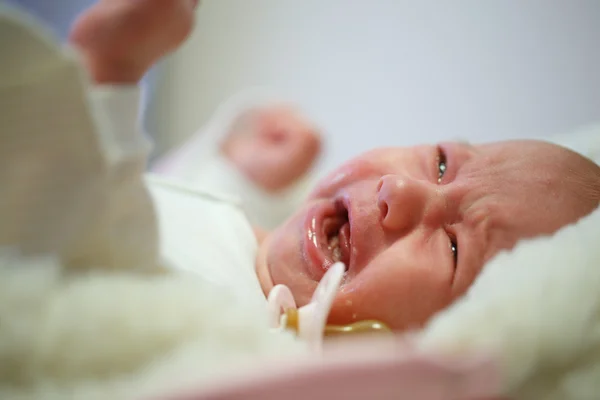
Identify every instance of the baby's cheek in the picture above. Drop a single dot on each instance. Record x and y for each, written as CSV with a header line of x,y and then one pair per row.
x,y
402,297
368,295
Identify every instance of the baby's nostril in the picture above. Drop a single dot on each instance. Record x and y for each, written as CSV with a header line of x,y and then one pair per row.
x,y
383,207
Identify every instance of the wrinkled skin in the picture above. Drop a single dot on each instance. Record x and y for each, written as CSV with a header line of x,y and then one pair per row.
x,y
403,223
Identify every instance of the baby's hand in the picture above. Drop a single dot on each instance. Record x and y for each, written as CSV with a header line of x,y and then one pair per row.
x,y
273,146
121,39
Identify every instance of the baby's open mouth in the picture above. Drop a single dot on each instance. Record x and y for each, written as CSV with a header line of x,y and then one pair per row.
x,y
337,232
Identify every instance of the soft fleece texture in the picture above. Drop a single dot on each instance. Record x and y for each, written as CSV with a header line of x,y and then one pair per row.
x,y
128,336
120,335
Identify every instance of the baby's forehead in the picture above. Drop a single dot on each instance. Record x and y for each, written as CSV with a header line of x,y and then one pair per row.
x,y
521,146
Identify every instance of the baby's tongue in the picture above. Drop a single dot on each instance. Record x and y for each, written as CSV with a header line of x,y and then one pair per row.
x,y
344,237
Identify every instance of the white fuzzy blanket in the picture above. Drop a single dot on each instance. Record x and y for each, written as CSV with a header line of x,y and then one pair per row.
x,y
119,335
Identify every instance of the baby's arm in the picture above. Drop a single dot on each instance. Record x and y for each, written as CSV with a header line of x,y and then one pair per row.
x,y
118,41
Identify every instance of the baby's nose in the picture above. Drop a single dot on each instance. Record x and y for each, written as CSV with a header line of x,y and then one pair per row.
x,y
401,201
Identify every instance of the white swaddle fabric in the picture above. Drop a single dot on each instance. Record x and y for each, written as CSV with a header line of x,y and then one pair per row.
x,y
265,210
208,235
200,162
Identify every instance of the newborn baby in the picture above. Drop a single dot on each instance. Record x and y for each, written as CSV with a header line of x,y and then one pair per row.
x,y
414,226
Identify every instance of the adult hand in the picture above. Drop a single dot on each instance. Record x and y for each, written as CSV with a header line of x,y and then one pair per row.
x,y
121,39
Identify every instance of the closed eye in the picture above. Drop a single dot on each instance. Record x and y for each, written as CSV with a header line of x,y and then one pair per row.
x,y
442,166
454,249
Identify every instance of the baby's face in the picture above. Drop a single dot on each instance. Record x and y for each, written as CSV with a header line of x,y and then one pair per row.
x,y
415,225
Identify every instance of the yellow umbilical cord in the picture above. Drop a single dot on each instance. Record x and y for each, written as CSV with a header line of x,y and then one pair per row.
x,y
360,327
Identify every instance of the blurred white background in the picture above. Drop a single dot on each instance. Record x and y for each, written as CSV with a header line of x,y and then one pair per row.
x,y
384,72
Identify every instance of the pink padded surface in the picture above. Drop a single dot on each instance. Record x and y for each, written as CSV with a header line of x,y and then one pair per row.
x,y
360,372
